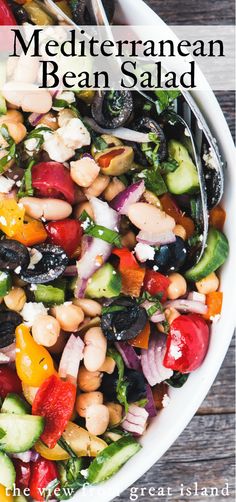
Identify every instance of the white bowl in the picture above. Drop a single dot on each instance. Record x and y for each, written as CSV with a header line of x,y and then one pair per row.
x,y
171,421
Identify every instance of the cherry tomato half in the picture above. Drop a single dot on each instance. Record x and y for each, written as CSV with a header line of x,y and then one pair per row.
x,y
65,233
187,343
9,381
23,471
155,283
52,179
42,473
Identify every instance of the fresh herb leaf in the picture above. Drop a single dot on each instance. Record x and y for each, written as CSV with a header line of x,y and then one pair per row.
x,y
63,444
26,188
153,180
37,133
166,326
178,379
10,148
113,308
151,149
142,403
2,433
48,491
100,143
69,470
68,491
100,232
169,166
195,239
122,384
165,99
61,103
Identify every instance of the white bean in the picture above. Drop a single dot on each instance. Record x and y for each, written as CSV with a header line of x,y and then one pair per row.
x,y
97,419
208,285
27,96
50,209
95,349
26,69
84,171
86,399
150,218
89,307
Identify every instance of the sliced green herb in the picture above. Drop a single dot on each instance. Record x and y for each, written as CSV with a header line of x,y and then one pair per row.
x,y
122,384
10,148
48,491
113,308
142,403
166,326
26,188
151,149
153,180
165,99
63,444
169,166
37,133
2,433
100,232
100,143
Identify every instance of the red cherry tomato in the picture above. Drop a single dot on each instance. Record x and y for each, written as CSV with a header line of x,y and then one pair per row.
x,y
54,401
6,15
9,381
155,283
43,472
52,179
187,343
65,233
23,471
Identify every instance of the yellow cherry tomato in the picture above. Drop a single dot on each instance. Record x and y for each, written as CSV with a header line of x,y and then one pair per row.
x,y
81,441
33,362
5,496
12,216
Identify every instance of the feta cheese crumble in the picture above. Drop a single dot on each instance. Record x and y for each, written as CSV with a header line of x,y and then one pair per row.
x,y
6,184
35,257
31,310
144,252
165,401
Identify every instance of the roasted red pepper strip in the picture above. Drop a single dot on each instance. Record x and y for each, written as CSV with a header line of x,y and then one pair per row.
x,y
65,233
7,17
132,274
43,472
155,283
54,401
127,259
171,208
9,381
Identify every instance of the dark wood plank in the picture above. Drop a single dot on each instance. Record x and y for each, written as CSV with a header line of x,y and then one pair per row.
x,y
194,12
203,461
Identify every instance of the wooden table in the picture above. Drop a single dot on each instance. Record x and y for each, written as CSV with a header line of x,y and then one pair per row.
x,y
204,452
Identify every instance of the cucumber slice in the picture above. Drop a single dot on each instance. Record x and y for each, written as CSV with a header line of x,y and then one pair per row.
x,y
21,432
106,282
215,254
15,404
51,294
111,459
5,283
185,178
19,498
7,471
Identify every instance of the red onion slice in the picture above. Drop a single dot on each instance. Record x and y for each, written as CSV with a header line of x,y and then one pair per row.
x,y
98,250
150,406
34,118
120,132
152,360
196,297
70,359
129,356
128,196
187,306
135,420
158,316
154,239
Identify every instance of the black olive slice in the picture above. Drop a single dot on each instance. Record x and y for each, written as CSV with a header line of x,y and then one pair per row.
x,y
147,124
9,320
13,254
126,323
135,385
169,257
112,109
52,264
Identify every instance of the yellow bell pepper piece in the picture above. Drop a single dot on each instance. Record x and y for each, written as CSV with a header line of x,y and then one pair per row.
x,y
11,216
5,496
81,441
33,362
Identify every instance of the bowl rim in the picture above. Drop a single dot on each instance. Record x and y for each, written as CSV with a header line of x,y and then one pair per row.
x,y
202,379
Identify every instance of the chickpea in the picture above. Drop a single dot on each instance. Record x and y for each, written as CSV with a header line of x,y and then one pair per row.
x,y
115,186
89,381
208,284
151,198
89,307
95,348
84,171
49,120
17,131
98,186
85,400
11,116
97,419
129,240
84,206
171,314
180,231
69,316
177,287
46,330
108,366
115,413
15,299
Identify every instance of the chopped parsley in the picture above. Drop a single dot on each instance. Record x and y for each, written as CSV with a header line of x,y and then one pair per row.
x,y
122,383
26,188
10,148
165,99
